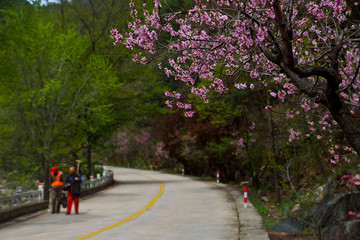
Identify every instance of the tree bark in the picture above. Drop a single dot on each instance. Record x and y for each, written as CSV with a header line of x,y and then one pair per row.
x,y
275,174
348,123
88,153
44,173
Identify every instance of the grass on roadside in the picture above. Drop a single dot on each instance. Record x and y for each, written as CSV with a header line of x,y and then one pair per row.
x,y
167,170
208,178
265,213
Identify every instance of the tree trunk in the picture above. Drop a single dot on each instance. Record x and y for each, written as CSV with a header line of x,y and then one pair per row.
x,y
44,173
88,153
275,174
46,184
349,124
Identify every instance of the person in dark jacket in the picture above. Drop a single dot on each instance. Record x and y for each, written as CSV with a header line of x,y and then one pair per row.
x,y
57,183
73,180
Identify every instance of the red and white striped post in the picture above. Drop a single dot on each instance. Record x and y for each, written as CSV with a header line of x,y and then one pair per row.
x,y
217,176
245,197
41,187
182,171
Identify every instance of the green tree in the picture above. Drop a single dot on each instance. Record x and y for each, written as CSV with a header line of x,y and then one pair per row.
x,y
50,80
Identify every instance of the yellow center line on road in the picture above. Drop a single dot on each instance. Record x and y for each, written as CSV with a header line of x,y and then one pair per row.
x,y
132,216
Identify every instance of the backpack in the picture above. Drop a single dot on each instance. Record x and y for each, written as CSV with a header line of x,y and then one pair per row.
x,y
64,200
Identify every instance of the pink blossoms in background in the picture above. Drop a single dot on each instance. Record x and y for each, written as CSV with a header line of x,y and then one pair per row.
x,y
286,43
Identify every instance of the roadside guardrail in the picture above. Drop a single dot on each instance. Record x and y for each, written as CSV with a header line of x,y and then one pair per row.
x,y
21,199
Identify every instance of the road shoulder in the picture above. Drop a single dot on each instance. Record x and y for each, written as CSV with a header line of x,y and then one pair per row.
x,y
251,225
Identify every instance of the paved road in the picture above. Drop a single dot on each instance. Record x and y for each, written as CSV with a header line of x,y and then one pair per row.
x,y
186,209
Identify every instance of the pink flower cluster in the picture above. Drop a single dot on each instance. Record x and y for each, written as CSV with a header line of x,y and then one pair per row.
x,y
176,96
240,86
350,179
345,177
294,135
239,146
116,35
161,151
142,137
353,180
351,213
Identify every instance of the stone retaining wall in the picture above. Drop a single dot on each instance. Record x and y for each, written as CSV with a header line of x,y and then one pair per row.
x,y
15,212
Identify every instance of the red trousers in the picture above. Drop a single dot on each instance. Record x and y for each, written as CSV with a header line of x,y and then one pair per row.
x,y
70,201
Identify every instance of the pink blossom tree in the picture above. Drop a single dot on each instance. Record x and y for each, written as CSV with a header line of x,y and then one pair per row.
x,y
305,47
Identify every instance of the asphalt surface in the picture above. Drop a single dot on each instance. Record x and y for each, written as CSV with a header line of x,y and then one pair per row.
x,y
174,207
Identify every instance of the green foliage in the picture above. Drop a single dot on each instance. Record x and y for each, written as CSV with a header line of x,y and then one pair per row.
x,y
60,90
263,211
98,170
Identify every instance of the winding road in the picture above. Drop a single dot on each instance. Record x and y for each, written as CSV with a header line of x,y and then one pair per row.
x,y
143,205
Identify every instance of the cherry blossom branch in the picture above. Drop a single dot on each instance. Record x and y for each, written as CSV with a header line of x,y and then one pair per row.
x,y
353,80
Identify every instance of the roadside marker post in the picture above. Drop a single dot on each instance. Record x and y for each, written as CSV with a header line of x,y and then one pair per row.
x,y
217,176
182,171
245,197
41,187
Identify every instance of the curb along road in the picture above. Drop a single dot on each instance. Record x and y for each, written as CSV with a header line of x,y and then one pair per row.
x,y
251,224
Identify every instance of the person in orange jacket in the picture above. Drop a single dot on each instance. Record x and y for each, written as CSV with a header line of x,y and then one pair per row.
x,y
73,181
56,183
